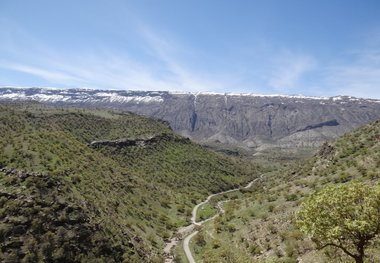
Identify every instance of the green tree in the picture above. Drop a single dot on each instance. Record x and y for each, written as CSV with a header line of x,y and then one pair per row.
x,y
344,216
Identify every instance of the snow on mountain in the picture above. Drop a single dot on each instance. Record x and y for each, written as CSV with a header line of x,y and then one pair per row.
x,y
245,119
54,95
78,95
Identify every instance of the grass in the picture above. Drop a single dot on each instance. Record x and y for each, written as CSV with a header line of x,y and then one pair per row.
x,y
206,211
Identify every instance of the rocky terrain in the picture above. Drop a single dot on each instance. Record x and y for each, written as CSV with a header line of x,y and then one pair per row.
x,y
255,122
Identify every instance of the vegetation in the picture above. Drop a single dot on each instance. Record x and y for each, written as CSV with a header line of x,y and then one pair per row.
x,y
65,200
260,224
344,216
206,211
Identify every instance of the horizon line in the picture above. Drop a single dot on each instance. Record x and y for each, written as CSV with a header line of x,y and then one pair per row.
x,y
195,93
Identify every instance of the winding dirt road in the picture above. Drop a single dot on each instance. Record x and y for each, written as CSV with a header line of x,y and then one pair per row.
x,y
186,247
188,231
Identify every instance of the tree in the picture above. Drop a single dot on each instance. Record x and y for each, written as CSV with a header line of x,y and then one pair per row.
x,y
344,216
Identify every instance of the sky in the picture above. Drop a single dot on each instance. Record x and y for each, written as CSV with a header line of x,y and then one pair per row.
x,y
314,48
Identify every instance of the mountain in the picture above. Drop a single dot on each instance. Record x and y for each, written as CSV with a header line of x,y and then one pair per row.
x,y
259,225
82,185
254,122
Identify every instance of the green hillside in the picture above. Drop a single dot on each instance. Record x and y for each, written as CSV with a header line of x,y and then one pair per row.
x,y
260,225
64,199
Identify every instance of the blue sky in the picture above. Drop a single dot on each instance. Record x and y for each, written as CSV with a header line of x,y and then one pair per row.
x,y
320,48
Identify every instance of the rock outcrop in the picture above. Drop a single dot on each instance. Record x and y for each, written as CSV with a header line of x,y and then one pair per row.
x,y
141,142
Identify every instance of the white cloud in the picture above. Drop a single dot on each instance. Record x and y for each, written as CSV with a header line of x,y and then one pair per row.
x,y
165,66
50,75
184,77
359,77
105,68
289,70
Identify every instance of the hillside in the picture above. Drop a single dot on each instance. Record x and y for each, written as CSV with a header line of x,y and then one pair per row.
x,y
99,186
258,225
249,122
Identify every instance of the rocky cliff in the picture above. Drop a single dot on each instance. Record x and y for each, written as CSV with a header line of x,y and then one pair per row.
x,y
248,120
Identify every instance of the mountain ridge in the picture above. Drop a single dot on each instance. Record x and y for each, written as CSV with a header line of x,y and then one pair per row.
x,y
251,121
106,92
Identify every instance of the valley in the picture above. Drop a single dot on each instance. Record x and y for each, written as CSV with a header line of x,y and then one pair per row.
x,y
220,210
190,131
130,199
101,185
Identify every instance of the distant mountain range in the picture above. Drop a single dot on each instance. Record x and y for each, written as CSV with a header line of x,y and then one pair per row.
x,y
252,121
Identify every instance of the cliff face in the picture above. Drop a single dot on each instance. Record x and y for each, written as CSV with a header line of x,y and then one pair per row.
x,y
252,121
262,122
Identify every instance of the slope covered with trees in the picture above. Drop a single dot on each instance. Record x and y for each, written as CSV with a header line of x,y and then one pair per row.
x,y
66,199
259,225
